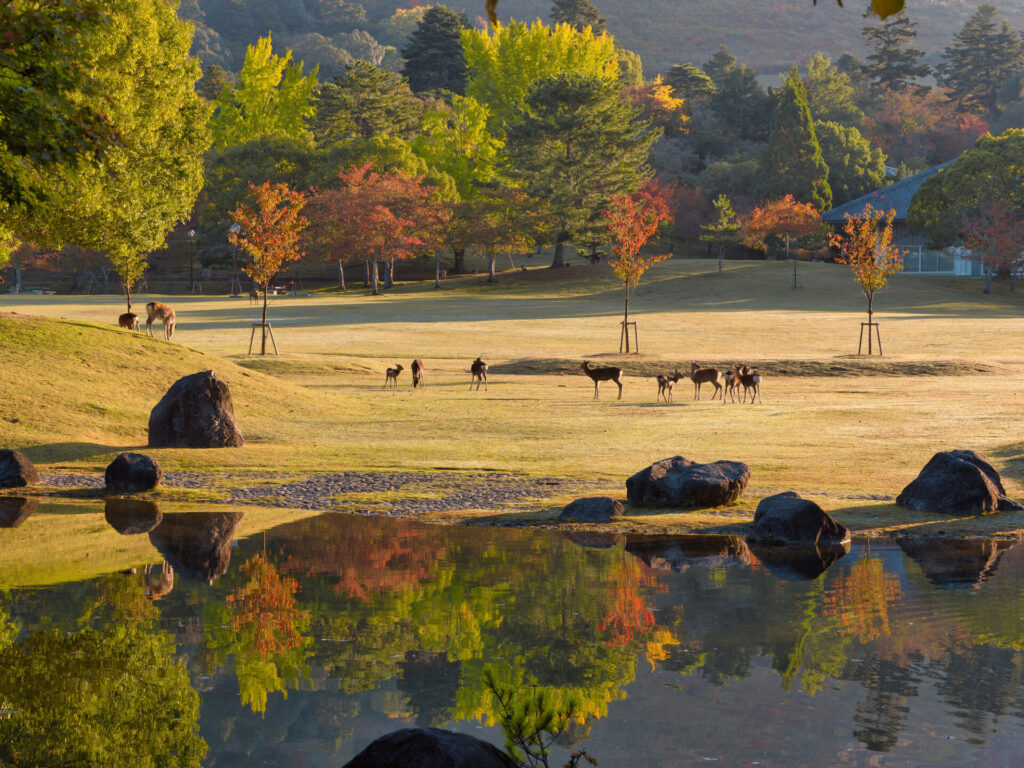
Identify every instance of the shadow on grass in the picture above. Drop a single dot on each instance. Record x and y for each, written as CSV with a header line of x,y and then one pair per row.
x,y
51,452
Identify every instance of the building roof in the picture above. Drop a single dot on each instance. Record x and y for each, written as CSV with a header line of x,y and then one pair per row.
x,y
896,197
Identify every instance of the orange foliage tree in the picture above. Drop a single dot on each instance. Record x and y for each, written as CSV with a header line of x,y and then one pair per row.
x,y
269,233
632,219
265,611
993,237
865,244
628,617
860,599
784,218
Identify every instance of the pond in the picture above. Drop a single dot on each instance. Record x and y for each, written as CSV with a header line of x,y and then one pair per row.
x,y
191,640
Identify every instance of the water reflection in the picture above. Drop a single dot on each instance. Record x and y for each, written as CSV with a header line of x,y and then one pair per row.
x,y
14,510
131,517
322,634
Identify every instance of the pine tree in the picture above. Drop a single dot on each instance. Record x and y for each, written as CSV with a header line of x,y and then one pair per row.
x,y
983,54
433,57
830,93
725,231
792,161
688,81
739,101
579,14
894,64
366,102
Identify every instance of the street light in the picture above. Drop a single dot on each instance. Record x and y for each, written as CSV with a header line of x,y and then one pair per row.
x,y
236,287
191,234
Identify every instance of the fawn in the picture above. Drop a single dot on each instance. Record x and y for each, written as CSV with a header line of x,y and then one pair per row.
x,y
666,384
162,312
391,375
254,294
611,373
478,369
751,382
129,321
700,376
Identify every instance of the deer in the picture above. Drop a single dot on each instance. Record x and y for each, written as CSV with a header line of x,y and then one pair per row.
x,y
666,383
478,369
700,376
154,590
611,373
254,294
162,312
751,383
391,376
129,321
417,373
732,383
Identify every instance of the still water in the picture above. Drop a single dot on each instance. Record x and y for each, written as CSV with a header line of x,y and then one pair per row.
x,y
299,645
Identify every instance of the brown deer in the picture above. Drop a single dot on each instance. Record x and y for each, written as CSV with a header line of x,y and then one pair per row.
x,y
611,373
478,369
391,376
417,373
154,590
254,294
162,312
732,384
129,321
700,376
751,382
666,384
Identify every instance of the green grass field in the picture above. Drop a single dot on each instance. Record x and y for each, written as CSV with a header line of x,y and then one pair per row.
x,y
832,425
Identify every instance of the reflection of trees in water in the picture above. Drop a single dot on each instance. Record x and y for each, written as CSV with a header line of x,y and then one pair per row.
x,y
983,684
860,598
880,716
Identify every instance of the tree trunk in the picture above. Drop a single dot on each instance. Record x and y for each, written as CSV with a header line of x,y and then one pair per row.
x,y
721,248
559,260
341,275
389,273
16,288
490,269
988,278
460,261
366,273
263,337
625,320
127,293
871,302
106,279
437,270
373,277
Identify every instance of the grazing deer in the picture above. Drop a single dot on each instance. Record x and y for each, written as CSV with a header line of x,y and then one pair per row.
x,y
129,321
700,376
611,373
751,383
154,590
254,294
666,384
162,312
417,373
391,376
478,369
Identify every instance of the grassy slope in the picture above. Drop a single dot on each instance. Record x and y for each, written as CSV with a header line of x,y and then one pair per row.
x,y
841,437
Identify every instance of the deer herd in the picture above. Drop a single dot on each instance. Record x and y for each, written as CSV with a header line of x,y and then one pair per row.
x,y
155,310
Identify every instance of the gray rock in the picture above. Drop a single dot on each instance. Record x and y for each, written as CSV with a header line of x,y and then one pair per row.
x,y
957,483
196,412
678,482
594,509
799,563
788,520
429,748
15,510
133,473
679,552
16,471
132,516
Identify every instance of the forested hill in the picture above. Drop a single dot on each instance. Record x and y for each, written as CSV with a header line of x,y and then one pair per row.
x,y
766,34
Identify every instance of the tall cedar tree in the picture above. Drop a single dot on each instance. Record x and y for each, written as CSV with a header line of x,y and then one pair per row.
x,y
433,56
993,237
865,244
785,218
830,93
632,219
792,163
689,82
365,102
894,64
269,234
738,101
576,145
855,167
579,14
725,230
983,54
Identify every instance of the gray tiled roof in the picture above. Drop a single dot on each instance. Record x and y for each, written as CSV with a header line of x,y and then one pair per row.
x,y
896,196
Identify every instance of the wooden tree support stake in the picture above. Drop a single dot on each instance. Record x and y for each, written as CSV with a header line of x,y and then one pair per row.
x,y
860,344
252,336
624,337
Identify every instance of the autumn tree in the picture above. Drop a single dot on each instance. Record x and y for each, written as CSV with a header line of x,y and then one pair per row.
x,y
269,233
632,220
723,231
865,244
993,237
504,220
784,218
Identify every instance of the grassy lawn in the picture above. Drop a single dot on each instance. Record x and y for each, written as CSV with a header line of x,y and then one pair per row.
x,y
832,425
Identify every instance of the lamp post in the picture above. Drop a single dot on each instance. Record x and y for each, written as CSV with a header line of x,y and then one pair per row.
x,y
191,234
236,287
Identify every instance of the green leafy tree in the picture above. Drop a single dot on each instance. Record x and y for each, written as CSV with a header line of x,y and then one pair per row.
x,y
792,163
272,98
689,82
894,64
579,14
125,205
830,93
433,55
575,145
855,167
364,103
213,82
739,102
982,55
725,230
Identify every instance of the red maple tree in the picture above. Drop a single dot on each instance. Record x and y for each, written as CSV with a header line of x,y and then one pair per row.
x,y
993,238
784,218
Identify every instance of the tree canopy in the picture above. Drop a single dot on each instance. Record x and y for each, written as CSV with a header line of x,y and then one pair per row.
x,y
982,55
433,55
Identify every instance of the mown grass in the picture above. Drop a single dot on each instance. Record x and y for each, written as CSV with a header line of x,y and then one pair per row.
x,y
832,424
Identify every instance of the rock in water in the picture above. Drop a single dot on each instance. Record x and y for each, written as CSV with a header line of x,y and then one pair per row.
x,y
594,509
957,483
15,510
132,516
16,471
429,748
196,544
789,520
955,563
133,473
678,482
196,412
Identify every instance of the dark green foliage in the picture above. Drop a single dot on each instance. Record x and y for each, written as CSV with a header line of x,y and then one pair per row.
x,y
576,144
433,57
579,14
364,103
894,64
792,163
689,82
212,83
855,168
831,94
739,101
983,54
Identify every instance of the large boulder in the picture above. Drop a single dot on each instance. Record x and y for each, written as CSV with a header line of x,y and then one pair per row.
x,y
15,510
196,544
679,482
788,520
132,516
15,470
957,483
678,553
133,473
594,509
429,748
196,412
955,563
